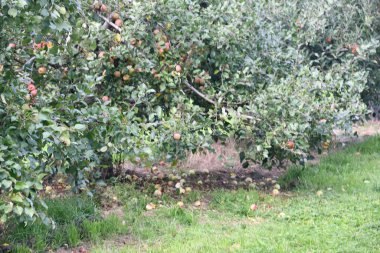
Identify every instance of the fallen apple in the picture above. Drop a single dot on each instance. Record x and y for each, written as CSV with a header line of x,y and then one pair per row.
x,y
157,193
150,206
176,136
253,207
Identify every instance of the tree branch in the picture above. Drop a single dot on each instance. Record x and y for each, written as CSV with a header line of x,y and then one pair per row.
x,y
28,62
200,93
212,101
110,23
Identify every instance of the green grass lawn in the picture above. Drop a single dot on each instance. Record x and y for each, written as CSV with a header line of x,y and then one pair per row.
x,y
345,218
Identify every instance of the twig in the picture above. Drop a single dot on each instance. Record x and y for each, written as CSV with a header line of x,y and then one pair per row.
x,y
110,23
29,62
200,93
212,101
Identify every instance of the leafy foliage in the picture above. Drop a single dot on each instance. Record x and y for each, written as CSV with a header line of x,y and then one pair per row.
x,y
82,81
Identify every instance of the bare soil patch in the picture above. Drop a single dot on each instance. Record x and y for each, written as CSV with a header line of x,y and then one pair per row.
x,y
222,169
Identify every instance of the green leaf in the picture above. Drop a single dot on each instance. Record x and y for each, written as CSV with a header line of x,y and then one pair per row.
x,y
12,12
103,149
46,135
80,127
29,211
21,186
16,198
3,219
7,208
6,183
44,12
18,210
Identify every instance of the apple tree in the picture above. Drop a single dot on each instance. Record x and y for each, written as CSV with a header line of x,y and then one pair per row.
x,y
83,81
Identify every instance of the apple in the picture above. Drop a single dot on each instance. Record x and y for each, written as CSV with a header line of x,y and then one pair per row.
x,y
96,6
253,207
156,32
105,98
42,70
178,68
31,87
199,81
115,16
150,206
49,44
161,51
275,192
101,54
34,93
133,41
157,193
103,8
62,10
355,49
290,144
12,45
117,74
118,22
139,43
126,77
167,46
328,40
117,38
177,136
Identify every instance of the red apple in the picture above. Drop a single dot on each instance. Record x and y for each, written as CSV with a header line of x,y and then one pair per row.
x,y
290,144
103,8
31,87
117,74
119,22
167,46
34,93
101,54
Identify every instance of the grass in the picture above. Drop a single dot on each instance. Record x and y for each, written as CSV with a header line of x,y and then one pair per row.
x,y
76,219
344,218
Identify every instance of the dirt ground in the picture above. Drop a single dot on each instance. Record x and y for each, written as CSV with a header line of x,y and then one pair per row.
x,y
222,169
